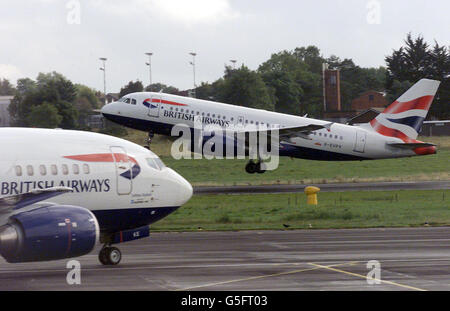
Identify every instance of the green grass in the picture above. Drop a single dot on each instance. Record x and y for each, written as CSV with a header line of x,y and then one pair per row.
x,y
299,171
335,210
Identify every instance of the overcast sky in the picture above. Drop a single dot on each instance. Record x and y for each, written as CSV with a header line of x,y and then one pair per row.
x,y
49,35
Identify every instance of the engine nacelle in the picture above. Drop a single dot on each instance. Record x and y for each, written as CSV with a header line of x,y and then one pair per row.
x,y
49,233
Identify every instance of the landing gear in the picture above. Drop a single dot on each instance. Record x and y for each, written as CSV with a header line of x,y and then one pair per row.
x,y
253,167
109,255
149,139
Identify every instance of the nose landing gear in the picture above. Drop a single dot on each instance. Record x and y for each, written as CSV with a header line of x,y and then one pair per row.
x,y
253,167
109,255
149,139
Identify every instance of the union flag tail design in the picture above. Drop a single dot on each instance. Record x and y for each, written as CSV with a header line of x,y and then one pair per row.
x,y
404,117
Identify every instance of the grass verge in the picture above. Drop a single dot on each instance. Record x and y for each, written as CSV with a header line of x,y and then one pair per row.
x,y
218,172
289,211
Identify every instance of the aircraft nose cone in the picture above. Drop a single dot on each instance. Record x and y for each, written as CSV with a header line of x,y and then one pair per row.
x,y
185,190
106,109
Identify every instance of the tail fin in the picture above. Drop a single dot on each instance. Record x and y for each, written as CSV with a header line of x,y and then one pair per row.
x,y
404,117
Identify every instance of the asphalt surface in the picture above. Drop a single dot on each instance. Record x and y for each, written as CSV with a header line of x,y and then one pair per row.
x,y
410,259
338,187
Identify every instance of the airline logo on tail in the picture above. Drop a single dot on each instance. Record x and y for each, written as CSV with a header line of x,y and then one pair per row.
x,y
404,117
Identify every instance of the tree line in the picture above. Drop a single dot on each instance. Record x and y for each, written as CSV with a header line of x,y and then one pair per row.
x,y
288,82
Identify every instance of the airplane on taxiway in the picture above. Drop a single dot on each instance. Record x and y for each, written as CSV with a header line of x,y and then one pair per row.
x,y
63,191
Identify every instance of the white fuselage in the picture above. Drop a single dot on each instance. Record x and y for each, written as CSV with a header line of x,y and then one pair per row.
x,y
110,176
159,112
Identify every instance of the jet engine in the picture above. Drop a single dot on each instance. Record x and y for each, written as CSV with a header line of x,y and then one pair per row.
x,y
49,233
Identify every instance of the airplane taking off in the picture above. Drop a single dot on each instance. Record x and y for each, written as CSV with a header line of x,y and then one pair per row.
x,y
392,134
64,191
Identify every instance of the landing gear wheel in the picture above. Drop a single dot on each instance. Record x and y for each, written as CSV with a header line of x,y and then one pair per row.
x,y
114,255
251,167
102,256
258,168
110,256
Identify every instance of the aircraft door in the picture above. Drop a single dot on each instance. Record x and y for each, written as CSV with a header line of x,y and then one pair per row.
x,y
360,142
154,105
123,165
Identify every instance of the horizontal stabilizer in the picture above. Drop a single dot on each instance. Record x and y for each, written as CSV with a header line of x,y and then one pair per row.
x,y
21,200
410,146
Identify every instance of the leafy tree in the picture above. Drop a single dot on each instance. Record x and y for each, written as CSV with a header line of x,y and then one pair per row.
x,y
297,89
45,115
244,87
417,60
6,88
160,87
85,102
51,88
131,87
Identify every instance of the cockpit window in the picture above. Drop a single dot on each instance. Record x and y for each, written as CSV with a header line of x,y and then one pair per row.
x,y
152,163
127,100
155,163
160,163
133,101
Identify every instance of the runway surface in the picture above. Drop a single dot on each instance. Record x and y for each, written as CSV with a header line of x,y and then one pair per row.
x,y
338,187
411,259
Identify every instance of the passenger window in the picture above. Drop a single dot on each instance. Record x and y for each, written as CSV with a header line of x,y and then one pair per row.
x,y
54,169
43,170
76,169
30,171
18,170
65,169
85,168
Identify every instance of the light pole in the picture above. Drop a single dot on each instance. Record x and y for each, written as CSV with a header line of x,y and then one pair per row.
x,y
149,64
234,63
104,75
193,68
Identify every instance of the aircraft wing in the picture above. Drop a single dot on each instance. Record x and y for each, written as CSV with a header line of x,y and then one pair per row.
x,y
18,201
297,131
411,146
